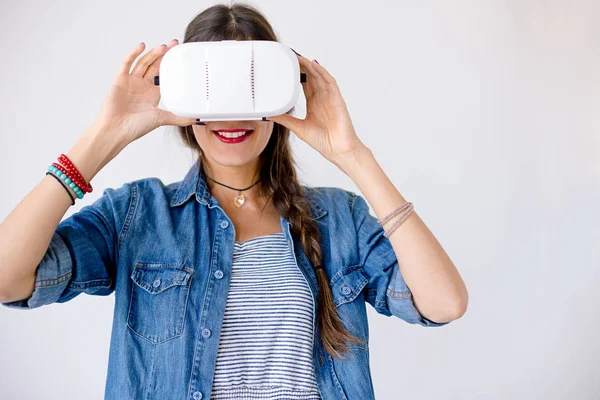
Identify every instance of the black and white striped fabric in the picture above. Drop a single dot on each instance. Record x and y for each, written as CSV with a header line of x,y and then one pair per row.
x,y
265,348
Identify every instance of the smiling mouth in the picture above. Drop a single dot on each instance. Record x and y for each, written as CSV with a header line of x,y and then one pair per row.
x,y
232,133
232,136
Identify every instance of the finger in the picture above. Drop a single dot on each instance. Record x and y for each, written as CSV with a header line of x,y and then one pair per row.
x,y
307,86
292,123
331,86
127,61
168,118
310,86
323,73
316,82
154,68
142,65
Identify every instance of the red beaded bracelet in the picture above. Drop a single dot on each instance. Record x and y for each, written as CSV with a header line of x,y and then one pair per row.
x,y
73,173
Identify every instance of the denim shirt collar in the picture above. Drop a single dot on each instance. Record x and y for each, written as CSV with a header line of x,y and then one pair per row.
x,y
195,183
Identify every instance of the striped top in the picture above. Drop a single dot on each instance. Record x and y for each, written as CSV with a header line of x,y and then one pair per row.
x,y
266,343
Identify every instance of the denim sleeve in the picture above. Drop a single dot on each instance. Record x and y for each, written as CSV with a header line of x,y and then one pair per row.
x,y
386,291
82,254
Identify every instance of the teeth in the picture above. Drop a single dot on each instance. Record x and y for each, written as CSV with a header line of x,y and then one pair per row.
x,y
232,134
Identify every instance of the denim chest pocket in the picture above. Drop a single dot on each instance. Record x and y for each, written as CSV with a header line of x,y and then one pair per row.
x,y
158,302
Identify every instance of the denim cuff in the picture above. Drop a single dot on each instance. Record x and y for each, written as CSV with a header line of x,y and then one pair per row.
x,y
399,301
52,276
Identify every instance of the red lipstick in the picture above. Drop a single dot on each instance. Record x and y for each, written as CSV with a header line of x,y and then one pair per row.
x,y
238,139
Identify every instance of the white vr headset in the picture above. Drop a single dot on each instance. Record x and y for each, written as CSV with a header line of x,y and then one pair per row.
x,y
229,80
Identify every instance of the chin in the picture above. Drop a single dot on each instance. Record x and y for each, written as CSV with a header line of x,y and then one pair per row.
x,y
229,160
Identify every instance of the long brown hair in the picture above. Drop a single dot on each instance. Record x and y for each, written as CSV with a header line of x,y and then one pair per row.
x,y
276,165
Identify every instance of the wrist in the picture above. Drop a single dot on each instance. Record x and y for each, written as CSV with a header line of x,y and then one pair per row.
x,y
350,161
93,150
106,136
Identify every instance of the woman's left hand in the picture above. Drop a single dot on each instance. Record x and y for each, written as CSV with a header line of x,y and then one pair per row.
x,y
327,127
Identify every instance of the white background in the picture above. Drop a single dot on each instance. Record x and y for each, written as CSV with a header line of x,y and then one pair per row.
x,y
483,113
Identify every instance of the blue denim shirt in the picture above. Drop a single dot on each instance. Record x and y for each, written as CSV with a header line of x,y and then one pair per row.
x,y
166,252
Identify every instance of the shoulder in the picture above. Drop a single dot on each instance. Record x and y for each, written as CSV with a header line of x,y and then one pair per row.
x,y
147,191
153,188
331,199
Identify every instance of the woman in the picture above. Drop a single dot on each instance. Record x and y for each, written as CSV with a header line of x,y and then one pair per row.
x,y
236,282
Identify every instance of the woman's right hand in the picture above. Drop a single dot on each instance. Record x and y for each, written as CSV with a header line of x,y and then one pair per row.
x,y
130,109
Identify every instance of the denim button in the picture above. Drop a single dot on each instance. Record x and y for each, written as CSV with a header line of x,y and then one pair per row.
x,y
218,274
224,224
206,332
346,290
197,395
156,283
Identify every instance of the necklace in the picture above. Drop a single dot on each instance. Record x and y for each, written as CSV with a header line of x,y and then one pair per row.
x,y
239,199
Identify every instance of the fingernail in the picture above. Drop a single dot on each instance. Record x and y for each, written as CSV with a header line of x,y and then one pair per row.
x,y
317,62
296,52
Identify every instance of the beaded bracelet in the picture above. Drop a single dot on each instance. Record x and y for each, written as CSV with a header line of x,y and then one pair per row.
x,y
399,222
405,210
65,178
68,175
75,175
394,213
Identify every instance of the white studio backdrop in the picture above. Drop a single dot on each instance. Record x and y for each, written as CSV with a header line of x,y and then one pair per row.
x,y
485,114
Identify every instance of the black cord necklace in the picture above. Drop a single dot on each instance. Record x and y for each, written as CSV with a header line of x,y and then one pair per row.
x,y
239,199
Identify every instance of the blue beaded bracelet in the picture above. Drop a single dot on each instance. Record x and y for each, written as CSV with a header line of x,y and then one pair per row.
x,y
66,179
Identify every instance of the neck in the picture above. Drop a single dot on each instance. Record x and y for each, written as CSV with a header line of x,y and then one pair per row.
x,y
238,176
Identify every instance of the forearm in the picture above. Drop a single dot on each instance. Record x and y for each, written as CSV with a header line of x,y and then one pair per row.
x,y
439,292
26,232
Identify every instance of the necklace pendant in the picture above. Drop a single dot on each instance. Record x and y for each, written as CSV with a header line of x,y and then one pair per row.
x,y
239,200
